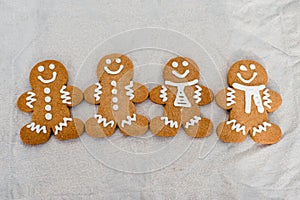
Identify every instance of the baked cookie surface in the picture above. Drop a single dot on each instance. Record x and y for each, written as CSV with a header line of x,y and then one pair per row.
x,y
249,101
181,96
116,93
49,101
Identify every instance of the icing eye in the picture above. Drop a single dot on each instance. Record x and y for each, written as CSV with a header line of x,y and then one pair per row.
x,y
108,61
51,66
252,67
175,64
185,63
41,68
243,68
118,60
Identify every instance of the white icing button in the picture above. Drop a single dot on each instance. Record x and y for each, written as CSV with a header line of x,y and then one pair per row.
x,y
115,107
48,108
114,91
185,63
47,99
174,64
252,67
115,100
48,116
51,66
46,90
108,61
41,68
118,60
114,83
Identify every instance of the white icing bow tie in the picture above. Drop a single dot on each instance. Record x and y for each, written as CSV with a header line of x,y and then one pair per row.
x,y
181,99
249,92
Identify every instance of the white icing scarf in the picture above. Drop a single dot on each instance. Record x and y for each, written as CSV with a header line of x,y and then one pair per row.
x,y
249,92
181,98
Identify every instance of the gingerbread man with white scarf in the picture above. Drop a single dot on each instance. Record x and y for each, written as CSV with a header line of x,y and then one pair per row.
x,y
182,95
49,102
249,102
116,93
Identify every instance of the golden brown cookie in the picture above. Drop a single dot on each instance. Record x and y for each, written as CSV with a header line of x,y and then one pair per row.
x,y
249,102
49,101
116,94
182,95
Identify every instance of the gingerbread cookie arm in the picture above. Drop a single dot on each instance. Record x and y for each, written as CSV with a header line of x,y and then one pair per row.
x,y
272,100
26,101
140,92
71,95
225,98
203,95
159,95
92,93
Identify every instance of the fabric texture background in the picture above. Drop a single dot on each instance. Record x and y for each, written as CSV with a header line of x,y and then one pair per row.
x,y
150,167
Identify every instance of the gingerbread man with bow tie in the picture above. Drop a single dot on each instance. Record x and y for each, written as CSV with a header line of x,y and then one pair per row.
x,y
182,95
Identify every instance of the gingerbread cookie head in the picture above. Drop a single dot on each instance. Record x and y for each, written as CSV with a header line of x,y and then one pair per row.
x,y
48,72
247,72
115,66
181,69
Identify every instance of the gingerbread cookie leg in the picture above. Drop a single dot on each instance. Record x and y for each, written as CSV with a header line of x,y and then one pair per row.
x,y
132,124
266,133
68,128
193,124
169,124
102,124
232,131
35,133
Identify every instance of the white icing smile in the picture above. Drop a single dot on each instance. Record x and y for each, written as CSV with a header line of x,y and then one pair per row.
x,y
107,70
178,75
247,80
54,74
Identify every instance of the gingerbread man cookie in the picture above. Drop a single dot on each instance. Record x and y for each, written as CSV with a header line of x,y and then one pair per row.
x,y
249,102
182,95
116,94
49,102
